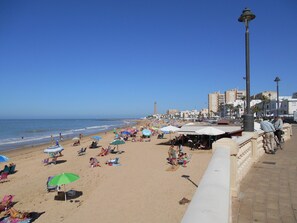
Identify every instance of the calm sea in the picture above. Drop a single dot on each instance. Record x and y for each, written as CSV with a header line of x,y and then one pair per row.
x,y
16,133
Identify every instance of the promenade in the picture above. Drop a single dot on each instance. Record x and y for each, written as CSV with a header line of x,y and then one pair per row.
x,y
268,193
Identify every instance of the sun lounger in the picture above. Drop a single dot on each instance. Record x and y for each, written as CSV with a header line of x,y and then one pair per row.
x,y
6,169
6,202
49,187
12,169
3,177
82,151
45,161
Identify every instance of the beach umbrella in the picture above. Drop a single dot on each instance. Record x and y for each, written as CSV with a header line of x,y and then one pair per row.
x,y
97,138
75,139
117,142
154,128
126,133
146,132
63,179
53,149
169,128
3,158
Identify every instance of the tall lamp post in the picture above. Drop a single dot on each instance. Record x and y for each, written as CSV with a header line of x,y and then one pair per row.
x,y
277,95
248,118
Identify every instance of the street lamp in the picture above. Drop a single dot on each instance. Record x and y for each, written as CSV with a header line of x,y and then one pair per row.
x,y
277,94
248,118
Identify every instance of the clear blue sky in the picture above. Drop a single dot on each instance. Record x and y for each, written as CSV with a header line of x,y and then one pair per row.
x,y
86,59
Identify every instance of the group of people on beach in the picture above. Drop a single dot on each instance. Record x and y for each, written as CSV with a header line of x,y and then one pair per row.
x,y
177,156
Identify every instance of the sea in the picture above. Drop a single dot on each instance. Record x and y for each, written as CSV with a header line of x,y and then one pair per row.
x,y
19,133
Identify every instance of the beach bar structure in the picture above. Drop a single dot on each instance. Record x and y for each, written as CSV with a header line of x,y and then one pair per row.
x,y
191,129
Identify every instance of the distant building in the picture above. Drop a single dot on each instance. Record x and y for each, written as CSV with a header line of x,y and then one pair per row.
x,y
268,94
214,100
232,95
294,95
172,111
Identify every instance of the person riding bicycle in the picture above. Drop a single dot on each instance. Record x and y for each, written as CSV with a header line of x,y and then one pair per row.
x,y
278,125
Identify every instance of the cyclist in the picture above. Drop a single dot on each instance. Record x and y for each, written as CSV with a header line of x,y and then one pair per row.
x,y
278,125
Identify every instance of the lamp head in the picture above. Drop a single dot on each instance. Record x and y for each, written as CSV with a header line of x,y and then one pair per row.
x,y
277,79
246,15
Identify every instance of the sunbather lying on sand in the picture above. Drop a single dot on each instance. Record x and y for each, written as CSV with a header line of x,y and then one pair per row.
x,y
94,162
17,214
103,152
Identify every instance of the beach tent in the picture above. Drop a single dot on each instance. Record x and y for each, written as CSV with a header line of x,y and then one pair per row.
x,y
54,149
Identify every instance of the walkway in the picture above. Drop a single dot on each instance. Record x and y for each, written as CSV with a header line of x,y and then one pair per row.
x,y
269,191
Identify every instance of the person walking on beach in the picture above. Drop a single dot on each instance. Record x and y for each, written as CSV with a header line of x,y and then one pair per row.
x,y
61,137
269,130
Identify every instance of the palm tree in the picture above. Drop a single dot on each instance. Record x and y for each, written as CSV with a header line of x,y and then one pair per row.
x,y
256,109
237,110
265,100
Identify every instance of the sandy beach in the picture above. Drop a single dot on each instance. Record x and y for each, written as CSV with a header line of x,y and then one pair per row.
x,y
140,190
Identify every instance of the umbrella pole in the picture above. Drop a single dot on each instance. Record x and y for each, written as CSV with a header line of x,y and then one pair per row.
x,y
65,192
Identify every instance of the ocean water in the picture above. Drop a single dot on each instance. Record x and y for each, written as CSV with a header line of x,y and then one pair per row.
x,y
17,133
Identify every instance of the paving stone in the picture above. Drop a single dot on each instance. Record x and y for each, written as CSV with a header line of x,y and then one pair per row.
x,y
261,207
259,216
288,219
273,220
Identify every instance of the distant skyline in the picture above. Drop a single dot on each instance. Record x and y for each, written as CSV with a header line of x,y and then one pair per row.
x,y
96,59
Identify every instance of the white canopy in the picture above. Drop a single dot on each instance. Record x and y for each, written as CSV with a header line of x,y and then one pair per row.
x,y
210,131
53,149
169,128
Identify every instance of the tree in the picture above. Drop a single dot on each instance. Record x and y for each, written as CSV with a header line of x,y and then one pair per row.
x,y
265,100
237,110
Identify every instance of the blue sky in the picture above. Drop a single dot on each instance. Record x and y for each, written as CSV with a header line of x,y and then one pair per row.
x,y
88,59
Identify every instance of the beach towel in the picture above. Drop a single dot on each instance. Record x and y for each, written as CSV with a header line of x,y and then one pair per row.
x,y
15,220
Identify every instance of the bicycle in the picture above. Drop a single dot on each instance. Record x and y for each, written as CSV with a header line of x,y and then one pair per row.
x,y
278,143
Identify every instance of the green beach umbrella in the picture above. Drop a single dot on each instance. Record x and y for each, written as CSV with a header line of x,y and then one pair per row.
x,y
62,179
117,142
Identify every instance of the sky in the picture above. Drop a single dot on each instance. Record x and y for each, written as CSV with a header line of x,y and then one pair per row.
x,y
115,58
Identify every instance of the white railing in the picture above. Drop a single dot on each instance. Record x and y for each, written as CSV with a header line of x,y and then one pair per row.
x,y
231,161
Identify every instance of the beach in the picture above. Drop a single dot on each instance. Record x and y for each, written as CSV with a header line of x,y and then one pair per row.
x,y
141,189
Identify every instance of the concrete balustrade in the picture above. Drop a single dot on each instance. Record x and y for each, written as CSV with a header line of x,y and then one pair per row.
x,y
211,202
231,161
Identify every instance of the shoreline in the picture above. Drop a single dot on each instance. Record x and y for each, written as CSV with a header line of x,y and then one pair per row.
x,y
67,140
